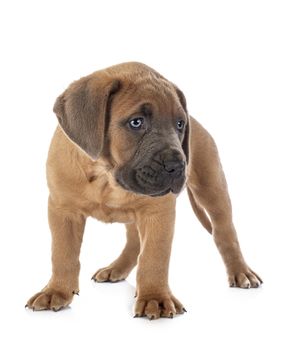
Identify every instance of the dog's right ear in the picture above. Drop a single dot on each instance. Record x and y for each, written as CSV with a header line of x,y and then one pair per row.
x,y
82,111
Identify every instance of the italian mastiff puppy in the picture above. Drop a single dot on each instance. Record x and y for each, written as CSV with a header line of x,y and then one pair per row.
x,y
124,149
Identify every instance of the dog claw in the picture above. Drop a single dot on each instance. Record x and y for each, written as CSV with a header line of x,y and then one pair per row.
x,y
152,317
136,315
171,315
26,306
56,309
184,309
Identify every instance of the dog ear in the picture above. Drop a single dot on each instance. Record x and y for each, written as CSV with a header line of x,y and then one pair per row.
x,y
82,111
186,140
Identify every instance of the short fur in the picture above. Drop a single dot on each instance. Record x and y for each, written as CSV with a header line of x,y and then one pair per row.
x,y
97,166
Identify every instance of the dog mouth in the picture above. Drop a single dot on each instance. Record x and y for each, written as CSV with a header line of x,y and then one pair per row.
x,y
143,190
150,183
163,193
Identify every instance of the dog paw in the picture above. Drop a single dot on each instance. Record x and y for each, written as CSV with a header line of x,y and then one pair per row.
x,y
50,299
244,278
154,307
110,274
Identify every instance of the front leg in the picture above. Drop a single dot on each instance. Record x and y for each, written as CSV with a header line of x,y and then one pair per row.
x,y
67,232
156,228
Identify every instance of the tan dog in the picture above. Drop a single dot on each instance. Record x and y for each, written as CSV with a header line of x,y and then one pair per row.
x,y
120,155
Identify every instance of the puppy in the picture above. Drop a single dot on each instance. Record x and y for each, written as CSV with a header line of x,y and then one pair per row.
x,y
124,149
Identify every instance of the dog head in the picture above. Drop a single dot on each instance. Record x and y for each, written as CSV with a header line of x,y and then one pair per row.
x,y
133,118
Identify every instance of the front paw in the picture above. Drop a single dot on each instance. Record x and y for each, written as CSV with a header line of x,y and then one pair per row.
x,y
244,277
155,306
50,299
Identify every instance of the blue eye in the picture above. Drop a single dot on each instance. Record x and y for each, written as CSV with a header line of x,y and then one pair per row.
x,y
136,123
180,125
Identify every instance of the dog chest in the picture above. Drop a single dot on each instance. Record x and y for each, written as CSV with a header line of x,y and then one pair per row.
x,y
107,214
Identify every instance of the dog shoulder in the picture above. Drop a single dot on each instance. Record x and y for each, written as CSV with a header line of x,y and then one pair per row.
x,y
64,172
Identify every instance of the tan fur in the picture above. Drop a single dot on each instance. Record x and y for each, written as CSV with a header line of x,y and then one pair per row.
x,y
82,186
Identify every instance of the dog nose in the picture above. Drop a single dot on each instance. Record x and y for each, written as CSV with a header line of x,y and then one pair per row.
x,y
173,167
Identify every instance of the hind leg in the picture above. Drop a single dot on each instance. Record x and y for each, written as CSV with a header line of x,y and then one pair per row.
x,y
120,268
207,184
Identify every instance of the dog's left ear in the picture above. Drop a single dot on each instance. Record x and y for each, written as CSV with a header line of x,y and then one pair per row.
x,y
82,111
186,140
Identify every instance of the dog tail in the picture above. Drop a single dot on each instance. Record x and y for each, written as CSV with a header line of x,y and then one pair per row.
x,y
200,212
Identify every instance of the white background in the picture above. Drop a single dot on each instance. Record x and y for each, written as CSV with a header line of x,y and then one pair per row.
x,y
232,60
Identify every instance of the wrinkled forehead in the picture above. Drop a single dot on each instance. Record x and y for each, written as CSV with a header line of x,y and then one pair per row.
x,y
157,95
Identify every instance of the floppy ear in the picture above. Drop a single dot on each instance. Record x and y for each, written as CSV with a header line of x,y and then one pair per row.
x,y
186,140
82,111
